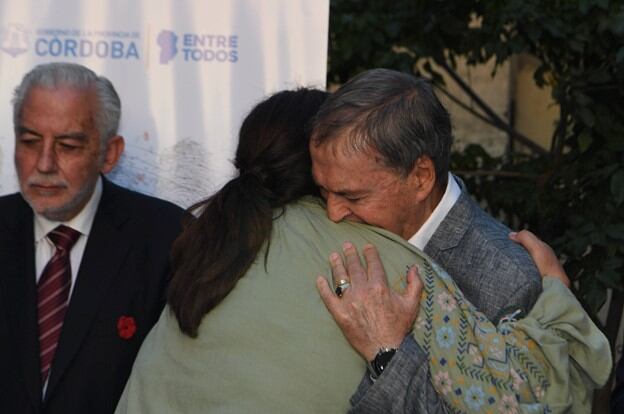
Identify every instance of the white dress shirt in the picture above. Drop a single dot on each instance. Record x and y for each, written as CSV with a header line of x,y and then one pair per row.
x,y
423,235
44,248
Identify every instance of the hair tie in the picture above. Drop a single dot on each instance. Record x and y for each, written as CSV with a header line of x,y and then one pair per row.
x,y
252,172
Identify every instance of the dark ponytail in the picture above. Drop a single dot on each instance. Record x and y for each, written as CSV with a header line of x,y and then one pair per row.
x,y
216,249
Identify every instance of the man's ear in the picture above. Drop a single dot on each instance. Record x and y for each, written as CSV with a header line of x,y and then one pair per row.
x,y
114,148
422,178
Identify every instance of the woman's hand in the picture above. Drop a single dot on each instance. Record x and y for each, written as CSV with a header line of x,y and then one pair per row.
x,y
545,259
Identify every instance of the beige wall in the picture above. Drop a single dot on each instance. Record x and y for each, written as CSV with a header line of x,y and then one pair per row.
x,y
494,90
512,85
535,112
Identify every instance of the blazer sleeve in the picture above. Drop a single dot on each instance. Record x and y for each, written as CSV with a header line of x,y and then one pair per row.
x,y
508,280
404,386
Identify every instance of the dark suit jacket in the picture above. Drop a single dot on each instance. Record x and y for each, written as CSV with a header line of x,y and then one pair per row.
x,y
496,274
123,272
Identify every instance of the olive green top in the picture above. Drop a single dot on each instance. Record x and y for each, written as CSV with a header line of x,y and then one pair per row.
x,y
271,344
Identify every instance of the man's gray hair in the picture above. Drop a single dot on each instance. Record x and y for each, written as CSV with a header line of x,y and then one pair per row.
x,y
61,74
394,113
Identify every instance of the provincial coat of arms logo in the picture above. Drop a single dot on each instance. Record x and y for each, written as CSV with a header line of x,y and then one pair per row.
x,y
14,39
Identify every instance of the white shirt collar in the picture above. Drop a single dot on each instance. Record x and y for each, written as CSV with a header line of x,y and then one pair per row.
x,y
81,222
423,235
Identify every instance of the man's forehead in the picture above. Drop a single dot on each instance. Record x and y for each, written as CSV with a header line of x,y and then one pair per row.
x,y
342,149
75,119
339,181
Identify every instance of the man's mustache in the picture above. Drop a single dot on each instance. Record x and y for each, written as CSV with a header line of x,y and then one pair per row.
x,y
46,181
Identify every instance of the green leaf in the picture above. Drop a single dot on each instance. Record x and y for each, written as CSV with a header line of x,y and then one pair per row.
x,y
595,294
584,141
598,238
600,76
611,279
612,263
393,29
576,45
616,231
617,187
554,28
539,75
533,31
582,99
617,23
587,116
619,58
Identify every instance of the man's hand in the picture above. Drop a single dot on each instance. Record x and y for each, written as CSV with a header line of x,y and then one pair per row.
x,y
370,314
543,256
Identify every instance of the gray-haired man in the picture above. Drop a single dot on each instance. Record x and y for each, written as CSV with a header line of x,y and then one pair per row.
x,y
83,262
380,151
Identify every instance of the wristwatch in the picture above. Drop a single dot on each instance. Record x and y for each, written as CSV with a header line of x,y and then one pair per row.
x,y
380,362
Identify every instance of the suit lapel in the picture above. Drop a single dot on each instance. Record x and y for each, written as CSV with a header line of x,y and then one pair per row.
x,y
451,230
20,296
104,254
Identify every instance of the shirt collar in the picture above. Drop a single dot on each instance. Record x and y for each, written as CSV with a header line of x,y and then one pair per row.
x,y
81,222
423,235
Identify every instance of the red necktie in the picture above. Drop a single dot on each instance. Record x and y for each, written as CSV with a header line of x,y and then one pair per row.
x,y
53,294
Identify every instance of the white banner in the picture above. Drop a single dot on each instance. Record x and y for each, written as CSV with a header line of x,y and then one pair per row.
x,y
187,72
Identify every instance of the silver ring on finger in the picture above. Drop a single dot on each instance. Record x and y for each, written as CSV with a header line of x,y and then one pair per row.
x,y
341,287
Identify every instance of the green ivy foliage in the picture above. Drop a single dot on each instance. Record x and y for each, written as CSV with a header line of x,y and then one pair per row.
x,y
572,195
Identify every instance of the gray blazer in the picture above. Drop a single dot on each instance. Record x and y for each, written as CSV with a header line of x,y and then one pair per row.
x,y
494,273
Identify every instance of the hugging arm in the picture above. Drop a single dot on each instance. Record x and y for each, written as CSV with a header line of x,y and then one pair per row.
x,y
542,254
369,313
373,317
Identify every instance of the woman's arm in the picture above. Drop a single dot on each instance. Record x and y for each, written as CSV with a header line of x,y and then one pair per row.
x,y
542,254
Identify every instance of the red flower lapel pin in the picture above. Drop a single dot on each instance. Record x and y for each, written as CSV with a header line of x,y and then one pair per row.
x,y
126,327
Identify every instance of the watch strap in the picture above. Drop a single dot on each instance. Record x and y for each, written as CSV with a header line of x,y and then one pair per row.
x,y
380,362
